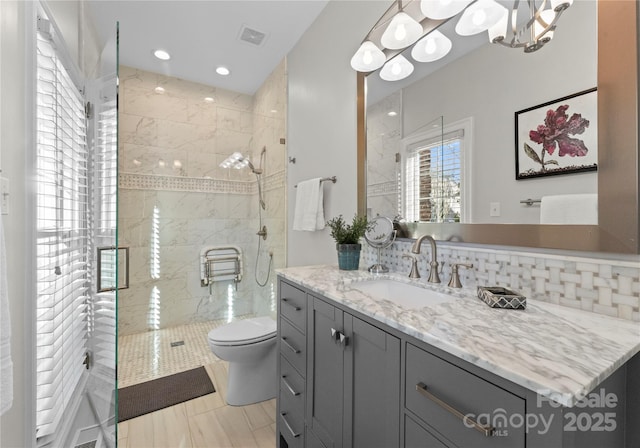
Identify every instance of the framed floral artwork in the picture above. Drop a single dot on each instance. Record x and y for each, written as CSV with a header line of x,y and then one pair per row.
x,y
558,137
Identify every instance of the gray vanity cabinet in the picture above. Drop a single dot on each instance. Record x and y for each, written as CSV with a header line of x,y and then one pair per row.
x,y
349,381
452,402
292,343
353,380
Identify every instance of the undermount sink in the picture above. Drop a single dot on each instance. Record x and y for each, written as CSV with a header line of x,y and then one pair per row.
x,y
404,294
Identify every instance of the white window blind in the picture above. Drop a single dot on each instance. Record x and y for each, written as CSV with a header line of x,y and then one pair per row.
x,y
61,246
433,170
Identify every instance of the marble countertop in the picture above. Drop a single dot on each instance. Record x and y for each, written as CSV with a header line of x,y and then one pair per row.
x,y
558,352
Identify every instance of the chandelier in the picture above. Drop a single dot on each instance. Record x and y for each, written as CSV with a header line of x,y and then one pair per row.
x,y
527,24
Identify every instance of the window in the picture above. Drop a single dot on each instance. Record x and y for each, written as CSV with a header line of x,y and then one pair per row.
x,y
433,169
62,280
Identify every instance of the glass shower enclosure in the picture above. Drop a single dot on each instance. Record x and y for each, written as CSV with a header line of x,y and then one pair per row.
x,y
79,266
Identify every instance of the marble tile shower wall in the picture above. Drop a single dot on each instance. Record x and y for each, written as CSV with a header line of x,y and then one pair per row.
x,y
602,286
174,199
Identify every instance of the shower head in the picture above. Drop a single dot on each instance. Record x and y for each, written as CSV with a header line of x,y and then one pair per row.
x,y
238,161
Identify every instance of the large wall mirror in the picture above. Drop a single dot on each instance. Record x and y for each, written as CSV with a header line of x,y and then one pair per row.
x,y
466,104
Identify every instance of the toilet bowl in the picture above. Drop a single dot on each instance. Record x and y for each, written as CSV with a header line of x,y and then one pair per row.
x,y
249,346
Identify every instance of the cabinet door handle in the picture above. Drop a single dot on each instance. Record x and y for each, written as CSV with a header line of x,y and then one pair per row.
x,y
291,389
343,339
335,334
284,419
487,430
291,347
286,302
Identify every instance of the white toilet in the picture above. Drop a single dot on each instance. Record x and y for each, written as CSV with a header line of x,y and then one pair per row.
x,y
249,346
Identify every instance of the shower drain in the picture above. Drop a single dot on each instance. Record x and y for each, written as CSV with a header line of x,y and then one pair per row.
x,y
177,343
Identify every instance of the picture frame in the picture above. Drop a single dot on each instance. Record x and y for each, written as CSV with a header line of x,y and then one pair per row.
x,y
557,137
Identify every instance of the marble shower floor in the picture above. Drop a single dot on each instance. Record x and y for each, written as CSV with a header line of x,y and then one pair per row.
x,y
203,422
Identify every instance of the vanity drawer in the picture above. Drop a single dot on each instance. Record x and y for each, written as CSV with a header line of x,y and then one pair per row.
x,y
435,389
293,305
415,436
293,346
291,420
292,385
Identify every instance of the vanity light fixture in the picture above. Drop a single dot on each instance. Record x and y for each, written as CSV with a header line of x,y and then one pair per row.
x,y
405,25
431,47
223,71
368,58
403,30
162,55
537,30
479,17
396,69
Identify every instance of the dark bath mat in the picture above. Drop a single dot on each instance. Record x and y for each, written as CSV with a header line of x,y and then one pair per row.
x,y
150,396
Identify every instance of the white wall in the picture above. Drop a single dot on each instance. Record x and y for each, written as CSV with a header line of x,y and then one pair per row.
x,y
321,119
493,82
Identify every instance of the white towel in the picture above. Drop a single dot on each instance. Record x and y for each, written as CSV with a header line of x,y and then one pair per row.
x,y
309,211
569,209
6,365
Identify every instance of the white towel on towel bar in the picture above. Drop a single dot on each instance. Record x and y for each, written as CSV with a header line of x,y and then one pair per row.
x,y
309,209
569,209
6,365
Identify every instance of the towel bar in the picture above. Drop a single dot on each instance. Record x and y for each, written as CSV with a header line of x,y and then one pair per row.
x,y
333,180
530,202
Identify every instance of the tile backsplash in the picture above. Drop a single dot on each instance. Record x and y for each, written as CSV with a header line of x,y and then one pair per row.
x,y
609,287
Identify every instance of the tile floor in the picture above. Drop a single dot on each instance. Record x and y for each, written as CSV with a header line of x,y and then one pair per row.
x,y
207,421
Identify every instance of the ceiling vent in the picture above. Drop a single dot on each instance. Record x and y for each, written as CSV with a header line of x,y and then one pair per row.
x,y
251,36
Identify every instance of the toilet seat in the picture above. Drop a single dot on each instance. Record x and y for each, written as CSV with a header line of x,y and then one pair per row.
x,y
244,332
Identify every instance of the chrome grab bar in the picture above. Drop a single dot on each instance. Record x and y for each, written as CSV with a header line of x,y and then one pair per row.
x,y
286,302
291,389
284,419
487,430
291,347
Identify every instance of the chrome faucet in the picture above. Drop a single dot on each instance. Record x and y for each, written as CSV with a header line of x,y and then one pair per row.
x,y
433,271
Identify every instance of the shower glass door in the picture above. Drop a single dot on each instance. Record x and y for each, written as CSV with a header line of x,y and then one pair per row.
x,y
106,260
76,199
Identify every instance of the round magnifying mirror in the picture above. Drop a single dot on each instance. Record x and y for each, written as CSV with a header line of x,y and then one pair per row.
x,y
380,236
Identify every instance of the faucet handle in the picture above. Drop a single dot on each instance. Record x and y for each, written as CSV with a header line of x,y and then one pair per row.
x,y
414,266
454,282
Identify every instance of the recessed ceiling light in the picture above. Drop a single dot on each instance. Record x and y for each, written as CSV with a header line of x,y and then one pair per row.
x,y
162,55
392,113
224,71
274,111
159,90
208,99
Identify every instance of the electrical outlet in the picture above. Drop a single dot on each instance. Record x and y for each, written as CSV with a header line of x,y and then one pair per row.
x,y
494,209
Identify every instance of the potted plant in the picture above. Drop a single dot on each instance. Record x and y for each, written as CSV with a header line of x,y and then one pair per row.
x,y
347,237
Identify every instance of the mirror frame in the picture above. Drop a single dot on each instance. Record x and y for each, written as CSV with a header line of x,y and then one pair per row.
x,y
618,228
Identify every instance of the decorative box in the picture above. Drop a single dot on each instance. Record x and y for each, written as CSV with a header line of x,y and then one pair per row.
x,y
499,297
